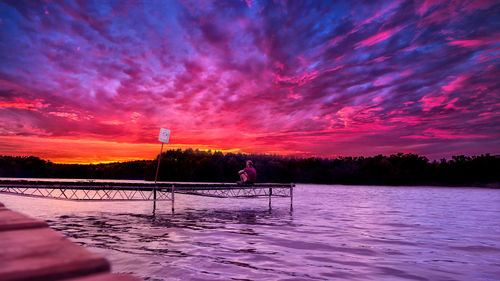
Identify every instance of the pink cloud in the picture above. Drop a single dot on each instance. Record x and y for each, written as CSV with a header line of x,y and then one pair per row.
x,y
335,68
382,81
409,48
297,80
472,43
359,117
432,100
443,134
488,55
385,11
446,11
479,4
378,99
72,116
489,114
381,59
379,37
405,119
22,103
451,105
426,5
405,73
249,3
429,102
334,41
293,96
455,84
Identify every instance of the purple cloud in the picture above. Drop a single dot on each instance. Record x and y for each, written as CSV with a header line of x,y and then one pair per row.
x,y
303,78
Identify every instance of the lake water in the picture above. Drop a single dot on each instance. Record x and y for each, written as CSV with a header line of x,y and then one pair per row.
x,y
333,233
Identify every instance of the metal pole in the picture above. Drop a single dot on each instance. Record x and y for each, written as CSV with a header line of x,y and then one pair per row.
x,y
270,194
158,166
173,198
154,198
156,178
291,196
154,202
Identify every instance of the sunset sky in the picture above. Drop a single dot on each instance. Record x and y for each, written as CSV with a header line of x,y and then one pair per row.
x,y
86,81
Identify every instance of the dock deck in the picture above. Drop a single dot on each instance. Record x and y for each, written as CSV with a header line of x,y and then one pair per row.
x,y
112,190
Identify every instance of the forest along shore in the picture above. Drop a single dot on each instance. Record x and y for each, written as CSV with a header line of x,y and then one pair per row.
x,y
206,166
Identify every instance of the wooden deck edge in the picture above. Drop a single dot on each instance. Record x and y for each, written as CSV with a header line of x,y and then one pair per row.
x,y
106,277
10,220
30,250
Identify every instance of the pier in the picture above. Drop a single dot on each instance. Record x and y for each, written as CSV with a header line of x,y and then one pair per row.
x,y
115,190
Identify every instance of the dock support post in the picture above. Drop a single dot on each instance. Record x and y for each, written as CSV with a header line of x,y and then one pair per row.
x,y
270,194
154,199
173,199
291,196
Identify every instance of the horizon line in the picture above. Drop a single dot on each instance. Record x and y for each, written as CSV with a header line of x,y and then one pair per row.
x,y
133,159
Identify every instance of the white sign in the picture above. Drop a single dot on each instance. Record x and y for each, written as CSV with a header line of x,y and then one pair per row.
x,y
164,135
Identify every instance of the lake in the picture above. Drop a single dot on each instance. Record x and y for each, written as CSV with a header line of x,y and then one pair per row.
x,y
333,233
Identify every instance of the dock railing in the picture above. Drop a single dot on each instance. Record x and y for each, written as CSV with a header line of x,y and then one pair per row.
x,y
108,190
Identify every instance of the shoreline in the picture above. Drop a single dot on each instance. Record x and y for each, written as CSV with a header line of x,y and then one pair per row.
x,y
492,185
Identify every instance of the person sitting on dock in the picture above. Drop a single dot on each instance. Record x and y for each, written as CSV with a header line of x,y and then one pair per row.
x,y
248,175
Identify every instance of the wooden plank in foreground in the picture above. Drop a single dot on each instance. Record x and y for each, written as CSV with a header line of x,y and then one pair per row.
x,y
106,277
30,250
10,220
43,254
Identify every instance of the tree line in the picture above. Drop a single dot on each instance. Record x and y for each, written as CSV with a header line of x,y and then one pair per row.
x,y
207,166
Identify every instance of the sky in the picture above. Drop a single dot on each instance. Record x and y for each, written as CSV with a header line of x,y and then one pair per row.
x,y
94,81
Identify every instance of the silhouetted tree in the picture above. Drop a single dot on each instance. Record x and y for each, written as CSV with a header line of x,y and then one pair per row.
x,y
208,166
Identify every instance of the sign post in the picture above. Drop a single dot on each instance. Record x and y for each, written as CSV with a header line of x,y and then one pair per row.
x,y
163,138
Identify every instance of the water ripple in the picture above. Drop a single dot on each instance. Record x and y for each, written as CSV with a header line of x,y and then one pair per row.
x,y
333,233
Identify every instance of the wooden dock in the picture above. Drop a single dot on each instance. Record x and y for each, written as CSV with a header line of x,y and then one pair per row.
x,y
30,250
112,190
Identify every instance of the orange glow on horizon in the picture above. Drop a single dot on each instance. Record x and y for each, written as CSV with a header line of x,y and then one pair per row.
x,y
88,151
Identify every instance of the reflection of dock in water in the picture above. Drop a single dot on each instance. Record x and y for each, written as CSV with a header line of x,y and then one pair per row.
x,y
110,190
30,250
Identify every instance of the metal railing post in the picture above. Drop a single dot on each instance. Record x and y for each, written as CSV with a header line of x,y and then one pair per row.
x,y
154,198
173,198
270,194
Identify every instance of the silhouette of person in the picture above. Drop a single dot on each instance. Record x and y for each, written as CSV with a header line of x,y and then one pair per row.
x,y
248,175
